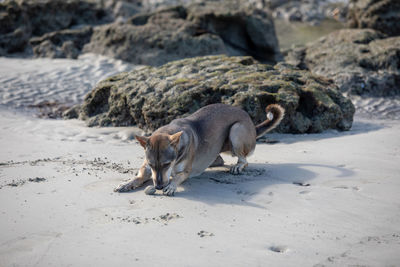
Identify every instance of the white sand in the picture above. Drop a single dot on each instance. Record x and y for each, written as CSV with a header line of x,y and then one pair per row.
x,y
27,82
323,199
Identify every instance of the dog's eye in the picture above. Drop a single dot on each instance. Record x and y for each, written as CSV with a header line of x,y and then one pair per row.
x,y
166,164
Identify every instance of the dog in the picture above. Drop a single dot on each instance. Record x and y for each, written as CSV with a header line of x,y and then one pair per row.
x,y
186,147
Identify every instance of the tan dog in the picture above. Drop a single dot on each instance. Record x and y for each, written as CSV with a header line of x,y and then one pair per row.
x,y
186,147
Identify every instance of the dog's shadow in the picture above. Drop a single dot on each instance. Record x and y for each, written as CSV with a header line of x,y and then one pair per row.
x,y
218,186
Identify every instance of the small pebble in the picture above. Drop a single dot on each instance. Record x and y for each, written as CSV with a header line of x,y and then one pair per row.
x,y
150,190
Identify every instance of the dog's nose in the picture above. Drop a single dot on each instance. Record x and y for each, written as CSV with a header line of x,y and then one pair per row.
x,y
159,187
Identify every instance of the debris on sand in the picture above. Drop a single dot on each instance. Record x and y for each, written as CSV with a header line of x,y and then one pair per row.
x,y
37,179
203,233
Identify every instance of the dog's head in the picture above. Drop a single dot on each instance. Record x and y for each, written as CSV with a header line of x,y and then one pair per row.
x,y
161,154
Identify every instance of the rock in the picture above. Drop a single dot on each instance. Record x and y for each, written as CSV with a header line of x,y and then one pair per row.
x,y
53,15
13,42
153,96
20,20
150,190
361,62
14,35
48,49
153,5
61,44
181,32
57,29
72,113
309,11
381,15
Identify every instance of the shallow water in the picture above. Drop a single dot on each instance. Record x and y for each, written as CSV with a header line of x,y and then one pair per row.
x,y
299,33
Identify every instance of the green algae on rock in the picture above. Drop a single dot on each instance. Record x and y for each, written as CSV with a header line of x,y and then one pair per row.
x,y
153,96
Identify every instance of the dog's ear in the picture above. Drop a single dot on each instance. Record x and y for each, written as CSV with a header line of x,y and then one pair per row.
x,y
142,140
175,138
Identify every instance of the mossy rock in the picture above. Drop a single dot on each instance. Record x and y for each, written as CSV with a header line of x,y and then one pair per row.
x,y
381,15
153,96
360,61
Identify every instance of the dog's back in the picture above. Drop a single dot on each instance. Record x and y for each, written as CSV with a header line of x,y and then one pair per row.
x,y
212,123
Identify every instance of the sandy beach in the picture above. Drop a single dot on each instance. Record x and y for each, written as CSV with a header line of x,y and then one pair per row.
x,y
329,199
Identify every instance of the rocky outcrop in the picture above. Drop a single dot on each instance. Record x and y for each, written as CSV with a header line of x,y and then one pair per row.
x,y
61,44
381,15
13,34
21,20
181,32
310,11
66,28
360,61
153,96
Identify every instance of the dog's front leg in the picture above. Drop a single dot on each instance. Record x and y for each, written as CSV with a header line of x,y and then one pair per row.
x,y
179,178
143,175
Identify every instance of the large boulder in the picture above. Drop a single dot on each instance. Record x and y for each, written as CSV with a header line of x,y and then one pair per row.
x,y
196,30
20,20
360,61
381,15
58,28
14,35
153,96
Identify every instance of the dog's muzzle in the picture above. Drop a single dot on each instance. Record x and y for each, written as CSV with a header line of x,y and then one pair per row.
x,y
159,187
159,181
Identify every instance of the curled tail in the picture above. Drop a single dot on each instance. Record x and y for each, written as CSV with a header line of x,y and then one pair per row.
x,y
275,114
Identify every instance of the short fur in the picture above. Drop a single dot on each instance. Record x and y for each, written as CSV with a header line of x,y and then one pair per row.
x,y
186,147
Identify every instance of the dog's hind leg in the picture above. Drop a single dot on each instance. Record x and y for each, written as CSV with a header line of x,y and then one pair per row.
x,y
239,166
242,139
142,176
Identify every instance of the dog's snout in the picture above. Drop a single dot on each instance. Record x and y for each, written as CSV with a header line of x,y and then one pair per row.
x,y
159,181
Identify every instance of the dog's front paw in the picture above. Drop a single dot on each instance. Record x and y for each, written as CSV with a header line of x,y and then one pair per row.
x,y
170,189
127,186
